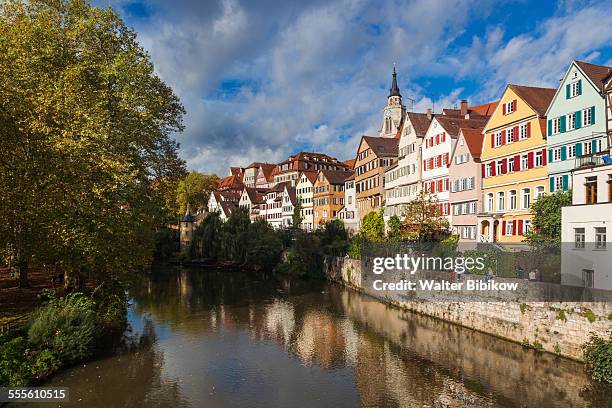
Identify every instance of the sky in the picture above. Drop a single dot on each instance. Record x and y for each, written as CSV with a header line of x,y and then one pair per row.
x,y
264,79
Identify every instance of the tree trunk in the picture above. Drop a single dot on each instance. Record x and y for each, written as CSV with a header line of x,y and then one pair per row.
x,y
22,269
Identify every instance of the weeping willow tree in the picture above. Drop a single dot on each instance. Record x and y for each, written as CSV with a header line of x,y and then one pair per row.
x,y
86,154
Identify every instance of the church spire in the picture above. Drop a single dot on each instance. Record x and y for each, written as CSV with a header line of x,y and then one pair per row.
x,y
394,90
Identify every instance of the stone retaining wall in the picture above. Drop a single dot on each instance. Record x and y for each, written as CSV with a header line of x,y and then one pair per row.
x,y
557,327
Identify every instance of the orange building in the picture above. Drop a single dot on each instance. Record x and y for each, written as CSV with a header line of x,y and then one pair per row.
x,y
328,197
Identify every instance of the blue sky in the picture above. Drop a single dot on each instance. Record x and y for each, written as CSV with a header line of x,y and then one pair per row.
x,y
261,80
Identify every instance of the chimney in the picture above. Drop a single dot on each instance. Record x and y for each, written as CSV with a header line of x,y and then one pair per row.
x,y
464,107
429,113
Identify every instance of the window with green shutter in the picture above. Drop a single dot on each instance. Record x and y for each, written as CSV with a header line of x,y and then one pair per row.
x,y
578,123
565,182
567,91
562,124
563,153
578,149
552,184
579,87
549,127
592,115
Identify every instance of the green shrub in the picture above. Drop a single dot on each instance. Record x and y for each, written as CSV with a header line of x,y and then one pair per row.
x,y
598,357
589,315
354,247
65,326
15,363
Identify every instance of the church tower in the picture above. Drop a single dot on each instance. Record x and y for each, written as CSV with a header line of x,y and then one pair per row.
x,y
394,111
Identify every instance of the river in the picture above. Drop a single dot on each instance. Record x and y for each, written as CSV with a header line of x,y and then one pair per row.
x,y
229,339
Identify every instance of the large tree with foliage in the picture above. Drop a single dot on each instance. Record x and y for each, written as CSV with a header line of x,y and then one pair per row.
x,y
546,223
373,226
424,221
195,190
87,158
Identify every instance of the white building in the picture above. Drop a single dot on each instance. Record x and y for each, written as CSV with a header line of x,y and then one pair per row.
x,y
223,202
349,214
304,191
403,181
586,229
289,200
272,207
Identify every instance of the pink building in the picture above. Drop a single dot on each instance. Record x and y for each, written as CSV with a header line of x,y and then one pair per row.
x,y
465,184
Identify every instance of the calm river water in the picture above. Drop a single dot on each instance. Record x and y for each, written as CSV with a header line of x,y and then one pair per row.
x,y
229,339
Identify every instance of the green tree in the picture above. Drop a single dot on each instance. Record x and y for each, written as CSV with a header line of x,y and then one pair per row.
x,y
546,223
334,238
373,226
296,218
194,190
87,156
394,233
424,221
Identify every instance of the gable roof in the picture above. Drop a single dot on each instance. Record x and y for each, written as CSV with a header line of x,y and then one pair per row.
x,y
255,195
382,146
257,165
486,109
291,193
452,124
311,175
350,163
538,98
268,170
336,176
420,122
596,73
473,139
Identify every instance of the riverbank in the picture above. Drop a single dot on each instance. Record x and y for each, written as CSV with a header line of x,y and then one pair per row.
x,y
561,328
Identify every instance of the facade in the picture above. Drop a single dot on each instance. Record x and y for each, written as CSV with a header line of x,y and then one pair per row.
x,y
223,202
403,182
249,177
438,143
272,207
465,184
290,169
349,214
393,112
513,163
304,192
328,197
586,231
265,175
576,121
251,199
289,200
374,156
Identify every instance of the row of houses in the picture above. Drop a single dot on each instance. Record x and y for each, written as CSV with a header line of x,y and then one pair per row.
x,y
485,164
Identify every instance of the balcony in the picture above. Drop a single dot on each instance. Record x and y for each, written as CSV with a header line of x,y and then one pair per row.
x,y
592,160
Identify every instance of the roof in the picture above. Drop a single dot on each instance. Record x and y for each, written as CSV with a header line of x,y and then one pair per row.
x,y
382,146
336,176
227,207
236,171
257,165
291,192
255,195
394,90
596,73
230,182
473,139
538,98
420,122
279,187
268,170
351,177
311,175
350,163
452,124
486,109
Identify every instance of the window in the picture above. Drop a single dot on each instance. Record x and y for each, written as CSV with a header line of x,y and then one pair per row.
x,y
558,183
539,159
512,199
591,190
524,162
526,198
510,165
509,107
579,238
498,139
539,192
456,209
499,167
571,151
501,199
509,227
574,89
587,148
509,135
526,226
600,237
556,125
557,154
490,202
571,121
588,277
523,131
488,169
587,117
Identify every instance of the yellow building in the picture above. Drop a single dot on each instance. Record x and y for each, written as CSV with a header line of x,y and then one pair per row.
x,y
513,158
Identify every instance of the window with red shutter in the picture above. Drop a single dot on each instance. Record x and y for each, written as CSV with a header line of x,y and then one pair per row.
x,y
504,108
514,228
515,133
439,185
447,158
443,137
424,164
520,227
504,166
493,168
517,162
483,170
503,227
514,105
492,140
528,129
530,160
544,157
447,184
437,139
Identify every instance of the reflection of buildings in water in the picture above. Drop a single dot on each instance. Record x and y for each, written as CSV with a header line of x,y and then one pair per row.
x,y
280,321
351,341
320,339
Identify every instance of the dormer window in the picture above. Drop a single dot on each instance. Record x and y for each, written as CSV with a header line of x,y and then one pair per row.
x,y
509,107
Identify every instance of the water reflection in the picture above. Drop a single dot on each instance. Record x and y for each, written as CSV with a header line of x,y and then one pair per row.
x,y
232,340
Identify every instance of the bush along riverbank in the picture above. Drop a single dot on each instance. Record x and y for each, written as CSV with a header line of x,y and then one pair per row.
x,y
63,332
